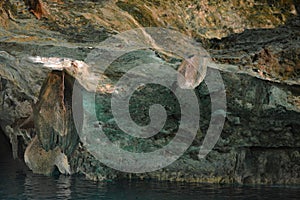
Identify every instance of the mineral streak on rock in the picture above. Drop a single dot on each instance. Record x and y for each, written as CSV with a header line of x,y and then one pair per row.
x,y
53,113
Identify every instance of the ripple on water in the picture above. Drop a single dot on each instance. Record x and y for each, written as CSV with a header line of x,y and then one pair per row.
x,y
17,182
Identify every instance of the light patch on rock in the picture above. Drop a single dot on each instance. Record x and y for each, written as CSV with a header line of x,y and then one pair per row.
x,y
44,162
76,68
61,161
279,97
192,72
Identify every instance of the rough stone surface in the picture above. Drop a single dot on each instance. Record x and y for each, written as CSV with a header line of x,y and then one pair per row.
x,y
257,51
44,162
53,118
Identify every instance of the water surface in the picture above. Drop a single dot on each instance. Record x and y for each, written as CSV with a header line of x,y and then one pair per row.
x,y
17,182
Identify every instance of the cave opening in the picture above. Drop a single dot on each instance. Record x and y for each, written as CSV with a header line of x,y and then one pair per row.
x,y
10,167
5,147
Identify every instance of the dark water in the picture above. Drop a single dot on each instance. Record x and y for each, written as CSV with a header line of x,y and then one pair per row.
x,y
17,182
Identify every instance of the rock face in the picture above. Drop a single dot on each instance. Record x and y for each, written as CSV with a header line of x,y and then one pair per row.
x,y
274,54
53,118
44,162
256,51
261,128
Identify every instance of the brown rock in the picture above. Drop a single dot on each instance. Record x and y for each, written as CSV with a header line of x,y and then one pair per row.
x,y
37,8
44,162
53,113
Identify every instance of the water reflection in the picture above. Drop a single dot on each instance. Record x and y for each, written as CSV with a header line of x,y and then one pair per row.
x,y
64,187
25,185
47,187
17,182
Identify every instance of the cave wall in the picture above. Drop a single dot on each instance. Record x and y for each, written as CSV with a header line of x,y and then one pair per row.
x,y
260,141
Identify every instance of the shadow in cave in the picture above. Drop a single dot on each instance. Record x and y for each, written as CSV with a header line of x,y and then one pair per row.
x,y
12,172
5,148
16,180
9,166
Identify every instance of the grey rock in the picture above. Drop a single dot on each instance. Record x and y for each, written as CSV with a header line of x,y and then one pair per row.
x,y
260,140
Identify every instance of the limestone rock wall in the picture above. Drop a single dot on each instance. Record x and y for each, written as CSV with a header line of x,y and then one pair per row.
x,y
257,47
